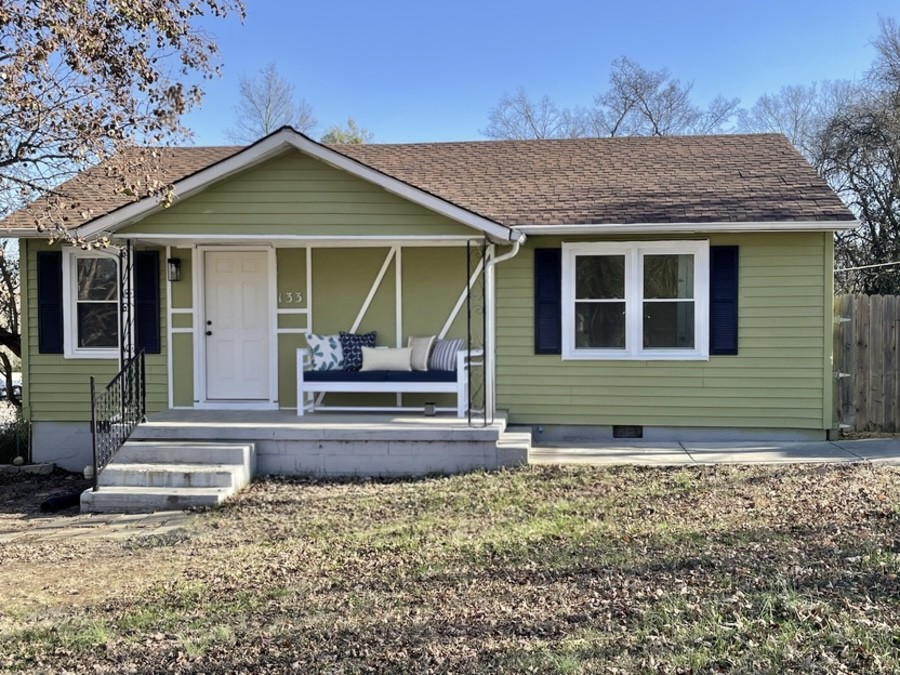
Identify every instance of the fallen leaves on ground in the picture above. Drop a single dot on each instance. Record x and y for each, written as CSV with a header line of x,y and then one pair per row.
x,y
613,570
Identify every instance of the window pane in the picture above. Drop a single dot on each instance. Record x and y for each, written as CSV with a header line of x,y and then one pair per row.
x,y
668,325
599,277
98,324
600,325
669,276
98,279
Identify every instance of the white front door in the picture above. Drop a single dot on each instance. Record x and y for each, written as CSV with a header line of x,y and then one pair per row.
x,y
237,325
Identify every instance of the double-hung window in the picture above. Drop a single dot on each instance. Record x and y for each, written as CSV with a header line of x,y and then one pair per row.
x,y
636,300
91,305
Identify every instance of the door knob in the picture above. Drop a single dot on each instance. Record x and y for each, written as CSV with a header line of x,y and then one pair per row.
x,y
209,332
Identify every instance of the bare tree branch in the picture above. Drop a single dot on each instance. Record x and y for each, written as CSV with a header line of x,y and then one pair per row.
x,y
638,102
83,83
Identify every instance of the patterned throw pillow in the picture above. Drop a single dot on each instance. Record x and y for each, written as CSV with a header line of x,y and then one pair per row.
x,y
352,344
326,352
443,354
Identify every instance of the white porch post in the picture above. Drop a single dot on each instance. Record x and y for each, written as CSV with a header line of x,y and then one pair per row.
x,y
490,372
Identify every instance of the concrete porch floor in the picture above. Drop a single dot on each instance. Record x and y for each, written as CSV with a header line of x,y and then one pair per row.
x,y
249,424
335,444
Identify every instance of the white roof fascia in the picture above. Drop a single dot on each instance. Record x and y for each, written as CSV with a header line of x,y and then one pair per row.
x,y
692,228
275,144
287,241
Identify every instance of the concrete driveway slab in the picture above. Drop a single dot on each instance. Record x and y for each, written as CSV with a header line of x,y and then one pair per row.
x,y
881,450
650,454
768,453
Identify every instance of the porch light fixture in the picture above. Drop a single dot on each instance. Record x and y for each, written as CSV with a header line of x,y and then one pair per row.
x,y
173,269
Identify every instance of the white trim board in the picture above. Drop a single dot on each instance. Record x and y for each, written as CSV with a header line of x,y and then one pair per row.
x,y
633,254
302,241
70,257
275,144
170,367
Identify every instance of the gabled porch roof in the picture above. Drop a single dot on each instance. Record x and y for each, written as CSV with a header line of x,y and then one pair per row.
x,y
265,149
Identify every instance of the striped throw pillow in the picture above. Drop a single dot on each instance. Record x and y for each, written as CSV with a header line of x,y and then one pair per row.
x,y
443,354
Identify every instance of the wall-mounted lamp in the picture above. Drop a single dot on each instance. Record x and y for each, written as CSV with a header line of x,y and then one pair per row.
x,y
173,269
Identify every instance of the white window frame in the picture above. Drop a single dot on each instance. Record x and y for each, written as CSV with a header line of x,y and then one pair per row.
x,y
634,253
71,350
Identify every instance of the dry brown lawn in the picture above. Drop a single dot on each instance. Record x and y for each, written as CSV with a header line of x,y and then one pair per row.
x,y
545,570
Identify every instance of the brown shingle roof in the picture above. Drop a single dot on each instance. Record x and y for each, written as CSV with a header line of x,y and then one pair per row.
x,y
675,179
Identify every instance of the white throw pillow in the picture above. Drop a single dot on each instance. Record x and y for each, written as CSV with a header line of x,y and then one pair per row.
x,y
421,350
386,359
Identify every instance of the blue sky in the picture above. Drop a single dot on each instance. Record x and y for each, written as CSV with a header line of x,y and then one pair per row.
x,y
430,71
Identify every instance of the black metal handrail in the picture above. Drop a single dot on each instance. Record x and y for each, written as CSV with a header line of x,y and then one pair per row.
x,y
117,410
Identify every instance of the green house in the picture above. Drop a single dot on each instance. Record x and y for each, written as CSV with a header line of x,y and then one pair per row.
x,y
676,287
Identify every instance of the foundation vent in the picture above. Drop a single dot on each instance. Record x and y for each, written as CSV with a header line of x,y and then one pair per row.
x,y
627,431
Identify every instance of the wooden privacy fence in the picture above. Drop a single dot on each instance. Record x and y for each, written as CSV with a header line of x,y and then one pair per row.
x,y
866,363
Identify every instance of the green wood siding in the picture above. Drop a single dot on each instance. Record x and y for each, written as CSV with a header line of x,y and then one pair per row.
x,y
781,377
294,194
58,389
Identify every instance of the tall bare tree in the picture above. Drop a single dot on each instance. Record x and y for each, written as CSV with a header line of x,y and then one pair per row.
x,y
638,102
641,102
10,328
861,159
800,112
89,82
518,117
266,103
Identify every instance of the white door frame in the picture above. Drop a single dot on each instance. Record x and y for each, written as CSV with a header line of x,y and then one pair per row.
x,y
198,274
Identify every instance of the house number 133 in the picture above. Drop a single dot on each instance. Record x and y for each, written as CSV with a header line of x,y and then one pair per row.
x,y
289,298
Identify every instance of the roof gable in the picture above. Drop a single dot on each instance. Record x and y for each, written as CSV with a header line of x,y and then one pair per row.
x,y
270,146
293,195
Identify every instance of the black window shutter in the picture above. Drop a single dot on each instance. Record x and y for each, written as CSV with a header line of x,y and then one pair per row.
x,y
50,308
548,301
146,301
723,300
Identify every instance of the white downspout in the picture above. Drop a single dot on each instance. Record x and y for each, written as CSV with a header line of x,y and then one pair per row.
x,y
490,338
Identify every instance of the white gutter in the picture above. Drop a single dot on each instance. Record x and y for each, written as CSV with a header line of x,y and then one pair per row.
x,y
512,254
692,228
491,327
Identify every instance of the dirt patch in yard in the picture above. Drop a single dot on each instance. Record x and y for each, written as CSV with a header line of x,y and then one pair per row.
x,y
577,569
21,495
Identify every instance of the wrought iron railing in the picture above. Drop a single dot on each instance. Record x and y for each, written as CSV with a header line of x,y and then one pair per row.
x,y
117,410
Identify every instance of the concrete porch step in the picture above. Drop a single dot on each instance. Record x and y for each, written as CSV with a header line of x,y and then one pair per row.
x,y
187,452
513,446
159,476
129,474
149,499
